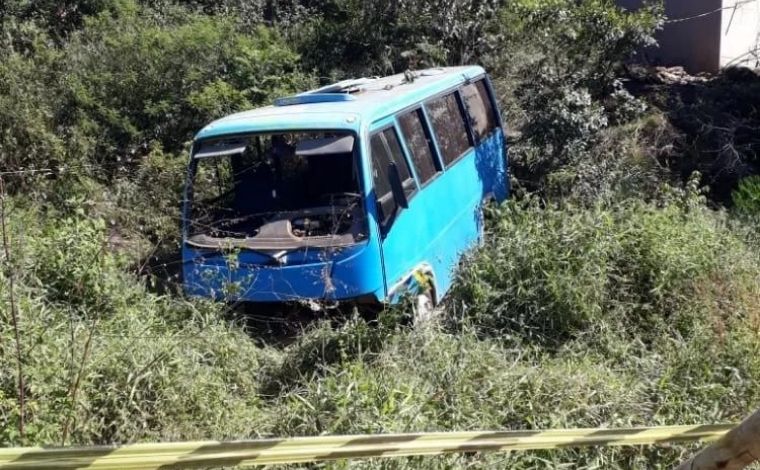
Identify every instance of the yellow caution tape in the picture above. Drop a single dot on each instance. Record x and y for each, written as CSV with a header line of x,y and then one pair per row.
x,y
313,449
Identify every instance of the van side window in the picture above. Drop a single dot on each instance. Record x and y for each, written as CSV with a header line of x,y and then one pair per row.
x,y
398,156
449,127
479,107
418,144
380,161
385,149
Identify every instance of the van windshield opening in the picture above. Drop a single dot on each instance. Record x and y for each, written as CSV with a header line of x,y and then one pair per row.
x,y
276,191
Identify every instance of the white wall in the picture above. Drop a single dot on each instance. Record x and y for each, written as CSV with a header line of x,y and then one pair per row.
x,y
740,33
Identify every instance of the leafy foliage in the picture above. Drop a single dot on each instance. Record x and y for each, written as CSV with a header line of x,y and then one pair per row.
x,y
567,90
117,106
129,81
57,17
89,325
162,82
27,106
747,197
382,36
631,268
567,318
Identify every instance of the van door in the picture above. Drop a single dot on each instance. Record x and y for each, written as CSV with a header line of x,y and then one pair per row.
x,y
400,228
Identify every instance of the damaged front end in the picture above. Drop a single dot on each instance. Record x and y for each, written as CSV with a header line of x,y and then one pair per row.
x,y
277,217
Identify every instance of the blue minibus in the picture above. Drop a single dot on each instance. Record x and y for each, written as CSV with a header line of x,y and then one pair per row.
x,y
367,190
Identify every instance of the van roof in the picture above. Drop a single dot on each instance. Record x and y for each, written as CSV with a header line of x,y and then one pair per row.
x,y
362,101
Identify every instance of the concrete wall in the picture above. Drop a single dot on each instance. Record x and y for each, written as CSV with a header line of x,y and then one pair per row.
x,y
705,35
740,33
693,43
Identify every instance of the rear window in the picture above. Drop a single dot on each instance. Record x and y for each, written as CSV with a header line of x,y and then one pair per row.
x,y
448,126
479,108
417,142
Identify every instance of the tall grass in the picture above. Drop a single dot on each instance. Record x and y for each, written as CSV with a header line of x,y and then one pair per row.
x,y
640,314
641,270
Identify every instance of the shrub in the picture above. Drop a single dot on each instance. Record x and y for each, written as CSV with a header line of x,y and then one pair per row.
x,y
349,37
104,360
637,315
585,41
431,381
623,163
746,198
560,64
28,104
551,274
148,200
58,18
564,124
134,80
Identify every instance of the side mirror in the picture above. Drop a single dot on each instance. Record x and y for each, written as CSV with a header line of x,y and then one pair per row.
x,y
397,187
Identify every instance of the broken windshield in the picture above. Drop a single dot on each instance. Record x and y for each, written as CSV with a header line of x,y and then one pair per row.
x,y
277,190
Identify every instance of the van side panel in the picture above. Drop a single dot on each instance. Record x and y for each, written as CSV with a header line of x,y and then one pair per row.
x,y
443,220
438,225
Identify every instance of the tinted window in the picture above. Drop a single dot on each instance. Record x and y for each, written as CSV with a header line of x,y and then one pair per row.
x,y
448,126
417,142
398,156
479,108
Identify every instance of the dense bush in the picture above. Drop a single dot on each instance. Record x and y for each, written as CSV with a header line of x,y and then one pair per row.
x,y
350,37
427,380
57,17
561,63
746,198
552,274
566,318
29,102
162,82
105,120
132,79
622,163
103,359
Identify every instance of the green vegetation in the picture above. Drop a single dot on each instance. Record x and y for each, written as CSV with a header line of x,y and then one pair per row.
x,y
614,289
746,198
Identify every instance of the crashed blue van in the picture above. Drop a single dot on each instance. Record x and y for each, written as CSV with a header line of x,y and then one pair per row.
x,y
364,191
